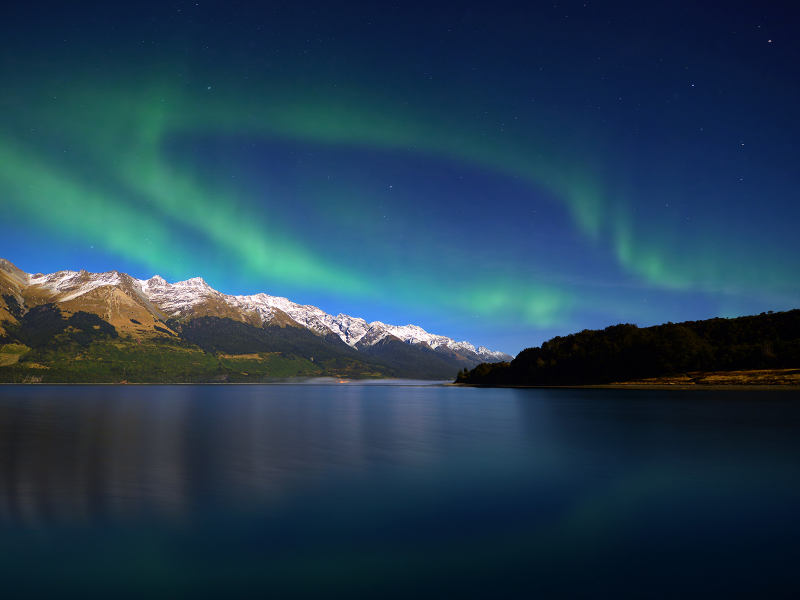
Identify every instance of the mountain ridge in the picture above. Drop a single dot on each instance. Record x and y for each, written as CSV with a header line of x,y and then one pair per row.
x,y
154,309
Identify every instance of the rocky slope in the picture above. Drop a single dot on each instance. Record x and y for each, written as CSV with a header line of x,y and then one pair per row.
x,y
153,308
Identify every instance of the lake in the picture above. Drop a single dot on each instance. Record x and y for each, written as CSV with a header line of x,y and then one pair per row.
x,y
397,491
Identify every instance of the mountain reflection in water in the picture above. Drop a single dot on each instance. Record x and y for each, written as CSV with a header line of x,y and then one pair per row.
x,y
76,453
388,491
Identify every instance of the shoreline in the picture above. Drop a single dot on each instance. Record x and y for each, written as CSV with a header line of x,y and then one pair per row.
x,y
645,386
744,379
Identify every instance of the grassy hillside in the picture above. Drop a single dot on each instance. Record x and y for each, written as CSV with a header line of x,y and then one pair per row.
x,y
45,346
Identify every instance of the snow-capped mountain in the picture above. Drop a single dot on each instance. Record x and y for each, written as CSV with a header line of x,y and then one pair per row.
x,y
133,304
184,297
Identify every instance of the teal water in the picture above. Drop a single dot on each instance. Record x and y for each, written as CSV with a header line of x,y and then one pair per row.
x,y
376,491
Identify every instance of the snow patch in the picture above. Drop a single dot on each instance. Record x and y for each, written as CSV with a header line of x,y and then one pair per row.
x,y
181,298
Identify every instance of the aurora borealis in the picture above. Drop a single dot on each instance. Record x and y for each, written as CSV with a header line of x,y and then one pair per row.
x,y
495,173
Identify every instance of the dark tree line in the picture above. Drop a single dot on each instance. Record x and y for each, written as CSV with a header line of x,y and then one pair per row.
x,y
625,352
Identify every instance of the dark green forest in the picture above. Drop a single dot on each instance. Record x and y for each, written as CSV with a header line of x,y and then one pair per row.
x,y
626,352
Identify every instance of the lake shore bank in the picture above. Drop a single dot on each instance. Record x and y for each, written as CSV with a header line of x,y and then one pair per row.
x,y
759,379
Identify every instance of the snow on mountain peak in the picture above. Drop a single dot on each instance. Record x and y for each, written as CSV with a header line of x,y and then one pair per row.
x,y
179,299
194,282
72,284
484,352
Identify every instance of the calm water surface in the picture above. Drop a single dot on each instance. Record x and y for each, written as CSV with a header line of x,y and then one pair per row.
x,y
372,491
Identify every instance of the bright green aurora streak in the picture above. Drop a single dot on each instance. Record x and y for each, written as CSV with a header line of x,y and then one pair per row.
x,y
121,131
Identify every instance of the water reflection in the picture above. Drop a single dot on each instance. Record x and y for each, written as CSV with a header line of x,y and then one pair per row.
x,y
387,491
72,454
69,457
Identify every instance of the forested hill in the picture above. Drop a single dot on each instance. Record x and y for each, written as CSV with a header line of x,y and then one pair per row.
x,y
626,352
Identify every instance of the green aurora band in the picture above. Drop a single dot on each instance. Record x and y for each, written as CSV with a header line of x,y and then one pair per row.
x,y
121,131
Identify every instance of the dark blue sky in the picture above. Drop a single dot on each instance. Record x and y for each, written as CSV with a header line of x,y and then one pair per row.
x,y
498,173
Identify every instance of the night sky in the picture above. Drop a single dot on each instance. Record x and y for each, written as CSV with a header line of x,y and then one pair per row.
x,y
494,172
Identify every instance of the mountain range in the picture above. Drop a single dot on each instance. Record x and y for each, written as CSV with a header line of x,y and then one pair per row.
x,y
52,321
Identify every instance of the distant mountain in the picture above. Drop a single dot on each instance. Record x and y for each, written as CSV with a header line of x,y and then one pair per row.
x,y
160,314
